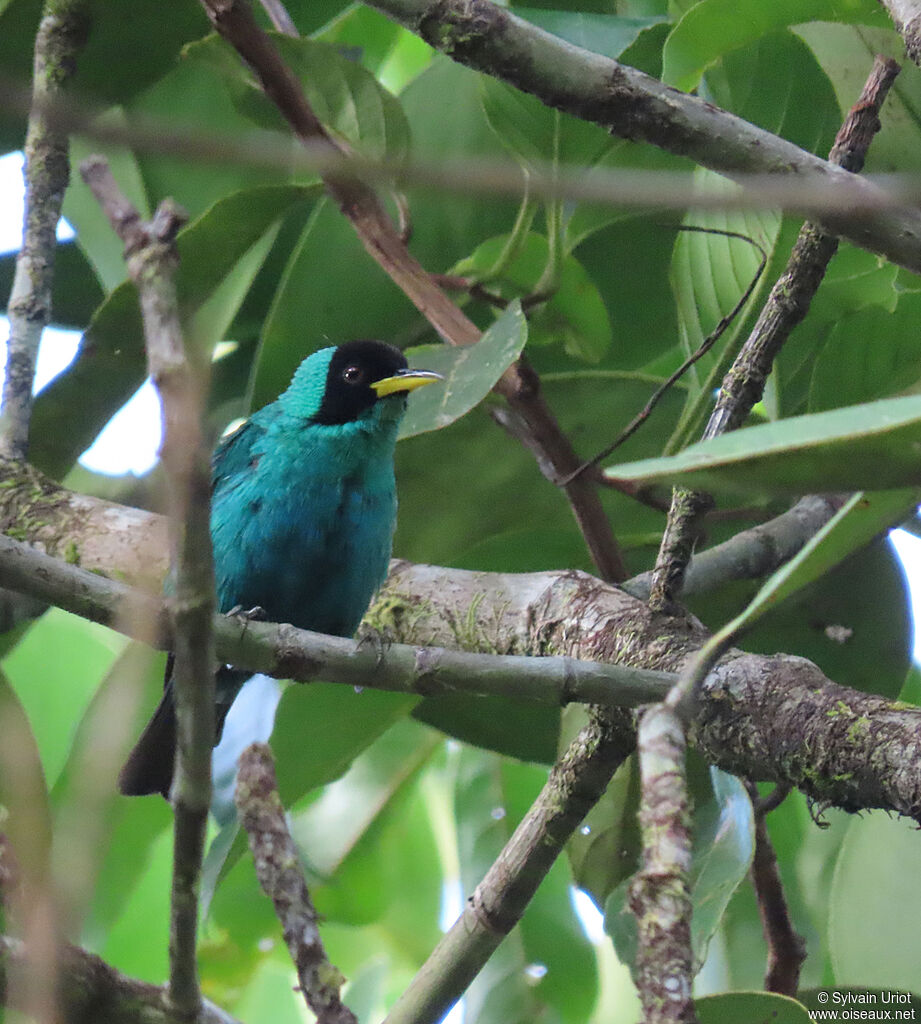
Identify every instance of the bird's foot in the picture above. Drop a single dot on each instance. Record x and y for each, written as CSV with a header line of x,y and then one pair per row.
x,y
255,614
379,640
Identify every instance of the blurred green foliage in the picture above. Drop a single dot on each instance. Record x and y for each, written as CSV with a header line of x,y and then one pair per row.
x,y
395,819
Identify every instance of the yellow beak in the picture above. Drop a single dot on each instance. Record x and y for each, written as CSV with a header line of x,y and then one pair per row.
x,y
405,380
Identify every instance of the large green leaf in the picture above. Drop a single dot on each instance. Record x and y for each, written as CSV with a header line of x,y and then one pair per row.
x,y
846,54
873,445
535,134
853,621
886,850
75,293
505,486
869,355
60,653
863,517
713,28
219,255
573,317
470,373
345,97
732,1007
857,282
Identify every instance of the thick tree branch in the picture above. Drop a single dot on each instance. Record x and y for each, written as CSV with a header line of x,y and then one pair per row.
x,y
574,785
92,992
785,308
635,106
277,866
151,258
906,16
772,718
519,385
61,35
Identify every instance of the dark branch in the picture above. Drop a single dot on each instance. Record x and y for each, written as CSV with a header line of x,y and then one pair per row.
x,y
277,865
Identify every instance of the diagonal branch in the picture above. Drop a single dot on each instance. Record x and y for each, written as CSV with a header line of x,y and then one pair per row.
x,y
151,259
575,784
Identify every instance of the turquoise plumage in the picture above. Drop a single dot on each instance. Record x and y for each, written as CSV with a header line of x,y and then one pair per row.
x,y
302,515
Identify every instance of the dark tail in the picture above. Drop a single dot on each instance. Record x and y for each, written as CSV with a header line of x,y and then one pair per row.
x,y
149,768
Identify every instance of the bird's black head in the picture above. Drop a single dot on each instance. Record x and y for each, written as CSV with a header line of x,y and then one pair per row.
x,y
354,370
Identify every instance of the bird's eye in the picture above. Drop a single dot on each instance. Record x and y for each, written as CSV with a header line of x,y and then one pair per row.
x,y
353,375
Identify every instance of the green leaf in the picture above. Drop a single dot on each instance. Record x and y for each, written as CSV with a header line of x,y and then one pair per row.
x,y
863,446
101,245
574,314
346,98
886,850
59,653
722,850
863,517
732,1007
868,355
219,254
592,407
605,849
724,837
856,282
537,135
90,814
470,373
75,292
853,621
713,28
606,34
23,792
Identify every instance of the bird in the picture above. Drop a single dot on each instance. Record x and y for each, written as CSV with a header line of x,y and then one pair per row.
x,y
303,510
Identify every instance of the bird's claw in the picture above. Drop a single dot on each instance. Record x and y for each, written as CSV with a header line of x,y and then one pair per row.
x,y
254,614
380,640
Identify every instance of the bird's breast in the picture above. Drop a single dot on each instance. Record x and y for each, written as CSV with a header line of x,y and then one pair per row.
x,y
309,549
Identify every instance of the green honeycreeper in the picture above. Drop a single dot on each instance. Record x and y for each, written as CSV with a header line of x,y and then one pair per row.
x,y
303,511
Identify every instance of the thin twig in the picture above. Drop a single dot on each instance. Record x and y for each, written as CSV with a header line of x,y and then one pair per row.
x,y
786,947
786,307
278,869
61,35
280,18
519,385
573,787
151,259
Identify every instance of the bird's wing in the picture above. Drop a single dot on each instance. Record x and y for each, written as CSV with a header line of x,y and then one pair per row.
x,y
235,453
